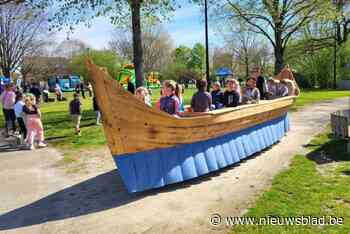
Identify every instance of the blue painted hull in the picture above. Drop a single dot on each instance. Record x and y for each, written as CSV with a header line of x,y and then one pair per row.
x,y
157,168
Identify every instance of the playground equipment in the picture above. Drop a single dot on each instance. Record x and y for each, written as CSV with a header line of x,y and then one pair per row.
x,y
153,80
67,83
127,74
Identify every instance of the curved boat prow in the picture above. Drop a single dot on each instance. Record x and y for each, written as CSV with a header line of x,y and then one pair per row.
x,y
153,149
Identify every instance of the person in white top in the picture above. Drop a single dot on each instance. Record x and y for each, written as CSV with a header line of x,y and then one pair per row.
x,y
20,116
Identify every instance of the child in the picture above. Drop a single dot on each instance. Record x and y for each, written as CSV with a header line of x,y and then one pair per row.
x,y
169,103
251,94
75,112
272,89
201,100
19,115
33,122
231,96
141,93
58,92
89,88
97,110
179,91
217,96
162,92
8,99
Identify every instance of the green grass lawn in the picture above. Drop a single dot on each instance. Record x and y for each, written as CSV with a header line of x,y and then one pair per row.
x,y
316,184
311,96
59,129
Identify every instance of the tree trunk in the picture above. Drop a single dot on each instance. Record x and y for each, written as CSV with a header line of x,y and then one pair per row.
x,y
246,67
279,63
279,50
137,40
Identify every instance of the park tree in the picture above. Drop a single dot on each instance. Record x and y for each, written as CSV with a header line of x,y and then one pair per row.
x,y
197,59
157,46
182,55
70,13
247,48
103,58
70,48
222,57
22,31
276,20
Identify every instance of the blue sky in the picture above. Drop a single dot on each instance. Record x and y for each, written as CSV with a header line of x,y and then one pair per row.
x,y
186,27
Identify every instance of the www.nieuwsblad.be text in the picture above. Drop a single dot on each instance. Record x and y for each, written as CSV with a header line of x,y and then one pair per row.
x,y
217,220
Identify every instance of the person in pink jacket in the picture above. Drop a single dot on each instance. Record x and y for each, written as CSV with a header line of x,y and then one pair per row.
x,y
8,99
33,123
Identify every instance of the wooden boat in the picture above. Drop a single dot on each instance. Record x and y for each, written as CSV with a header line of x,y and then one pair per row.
x,y
153,149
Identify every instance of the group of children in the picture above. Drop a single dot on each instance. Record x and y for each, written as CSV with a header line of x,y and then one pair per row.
x,y
23,109
171,100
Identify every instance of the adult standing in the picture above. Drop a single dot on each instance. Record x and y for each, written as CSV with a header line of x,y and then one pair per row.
x,y
261,83
35,90
82,89
8,99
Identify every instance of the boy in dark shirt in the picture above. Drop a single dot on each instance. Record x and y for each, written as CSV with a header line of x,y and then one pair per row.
x,y
217,96
201,101
75,111
231,96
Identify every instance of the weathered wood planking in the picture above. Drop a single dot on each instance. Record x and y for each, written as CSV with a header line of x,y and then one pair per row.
x,y
131,126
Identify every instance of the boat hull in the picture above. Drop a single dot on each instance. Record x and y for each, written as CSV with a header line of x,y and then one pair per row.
x,y
160,167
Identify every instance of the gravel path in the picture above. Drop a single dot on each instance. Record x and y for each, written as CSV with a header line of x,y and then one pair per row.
x,y
38,197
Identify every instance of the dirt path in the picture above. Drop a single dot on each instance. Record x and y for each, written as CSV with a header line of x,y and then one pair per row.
x,y
39,198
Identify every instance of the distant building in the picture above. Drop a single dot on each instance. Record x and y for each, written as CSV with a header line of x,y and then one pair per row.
x,y
41,68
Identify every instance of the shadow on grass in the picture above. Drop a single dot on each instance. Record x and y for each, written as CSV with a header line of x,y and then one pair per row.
x,y
103,192
334,150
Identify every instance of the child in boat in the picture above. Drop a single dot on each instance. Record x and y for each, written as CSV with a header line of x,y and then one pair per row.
x,y
75,111
97,110
291,86
217,96
251,93
162,93
169,103
276,89
141,93
272,89
201,100
179,91
33,122
20,117
231,96
282,89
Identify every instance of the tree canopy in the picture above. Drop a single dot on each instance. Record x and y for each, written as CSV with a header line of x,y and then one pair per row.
x,y
119,12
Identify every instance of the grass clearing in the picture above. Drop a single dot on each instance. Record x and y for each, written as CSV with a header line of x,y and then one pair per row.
x,y
303,190
310,96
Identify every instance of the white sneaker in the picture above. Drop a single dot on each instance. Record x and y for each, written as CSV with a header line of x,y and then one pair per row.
x,y
31,147
42,145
